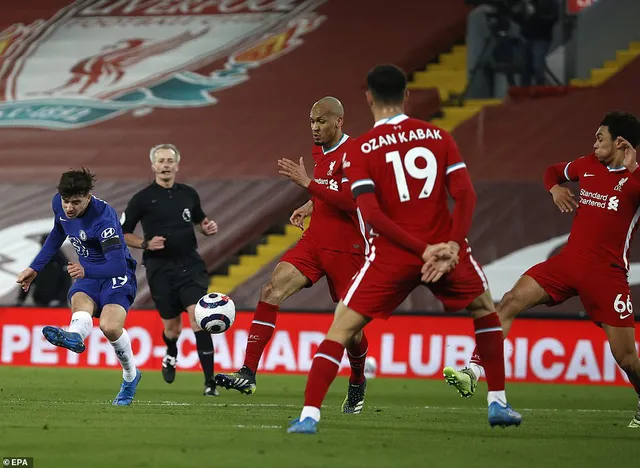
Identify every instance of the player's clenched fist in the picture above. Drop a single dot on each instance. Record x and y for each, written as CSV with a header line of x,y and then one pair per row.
x,y
25,278
157,243
209,227
563,198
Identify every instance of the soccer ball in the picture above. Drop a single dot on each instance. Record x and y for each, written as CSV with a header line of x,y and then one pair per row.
x,y
370,368
215,313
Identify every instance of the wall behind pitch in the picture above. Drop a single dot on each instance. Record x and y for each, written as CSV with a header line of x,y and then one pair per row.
x,y
558,351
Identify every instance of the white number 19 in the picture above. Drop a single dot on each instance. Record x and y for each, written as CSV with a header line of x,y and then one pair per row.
x,y
428,173
119,281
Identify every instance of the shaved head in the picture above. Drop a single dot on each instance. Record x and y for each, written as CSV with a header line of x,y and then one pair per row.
x,y
330,106
326,121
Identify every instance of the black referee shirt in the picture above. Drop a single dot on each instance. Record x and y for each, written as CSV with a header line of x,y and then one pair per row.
x,y
167,212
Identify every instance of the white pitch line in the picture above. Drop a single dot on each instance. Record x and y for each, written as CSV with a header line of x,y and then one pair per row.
x,y
545,410
147,403
253,405
243,426
275,405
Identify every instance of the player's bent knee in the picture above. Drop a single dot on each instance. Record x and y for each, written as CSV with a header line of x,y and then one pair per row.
x,y
526,293
285,281
341,335
482,305
510,305
347,324
173,327
112,320
270,293
275,291
191,313
81,301
111,329
357,338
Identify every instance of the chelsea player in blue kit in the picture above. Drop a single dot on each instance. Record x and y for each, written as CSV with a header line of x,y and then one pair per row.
x,y
105,280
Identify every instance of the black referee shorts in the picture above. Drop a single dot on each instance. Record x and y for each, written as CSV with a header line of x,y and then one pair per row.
x,y
175,285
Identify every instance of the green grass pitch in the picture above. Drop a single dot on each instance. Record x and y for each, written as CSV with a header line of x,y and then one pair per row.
x,y
63,418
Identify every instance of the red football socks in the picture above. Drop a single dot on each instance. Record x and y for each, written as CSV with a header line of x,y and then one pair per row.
x,y
357,354
475,357
323,372
490,347
260,332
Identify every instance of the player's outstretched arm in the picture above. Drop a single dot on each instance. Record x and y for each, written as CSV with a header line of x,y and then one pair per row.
x,y
54,241
342,199
26,277
51,246
297,173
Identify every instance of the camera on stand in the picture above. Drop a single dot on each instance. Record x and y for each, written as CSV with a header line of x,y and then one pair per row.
x,y
500,50
500,14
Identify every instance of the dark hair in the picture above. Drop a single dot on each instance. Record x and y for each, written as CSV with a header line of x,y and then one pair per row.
x,y
387,84
623,124
76,183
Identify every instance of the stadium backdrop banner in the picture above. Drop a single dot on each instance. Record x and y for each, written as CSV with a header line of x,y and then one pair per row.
x,y
557,351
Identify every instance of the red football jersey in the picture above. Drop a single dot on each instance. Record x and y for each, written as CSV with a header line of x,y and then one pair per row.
x,y
332,228
608,211
407,161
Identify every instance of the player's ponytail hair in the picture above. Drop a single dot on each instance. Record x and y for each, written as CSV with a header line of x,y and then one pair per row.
x,y
167,146
76,183
623,124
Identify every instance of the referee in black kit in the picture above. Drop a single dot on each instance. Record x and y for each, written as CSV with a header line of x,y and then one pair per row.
x,y
176,273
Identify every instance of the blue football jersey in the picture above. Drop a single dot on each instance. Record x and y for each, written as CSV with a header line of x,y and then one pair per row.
x,y
92,234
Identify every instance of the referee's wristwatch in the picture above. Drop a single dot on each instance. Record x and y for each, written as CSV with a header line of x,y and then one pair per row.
x,y
144,244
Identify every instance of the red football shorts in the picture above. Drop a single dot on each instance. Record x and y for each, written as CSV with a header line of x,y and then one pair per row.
x,y
603,289
314,263
382,284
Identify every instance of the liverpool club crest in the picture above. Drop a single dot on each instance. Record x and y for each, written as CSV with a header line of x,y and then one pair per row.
x,y
92,61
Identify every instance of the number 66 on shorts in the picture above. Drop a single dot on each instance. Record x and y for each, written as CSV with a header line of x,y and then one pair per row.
x,y
624,308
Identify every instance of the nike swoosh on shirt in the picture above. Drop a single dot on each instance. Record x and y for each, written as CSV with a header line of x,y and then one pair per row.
x,y
62,219
586,174
622,317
